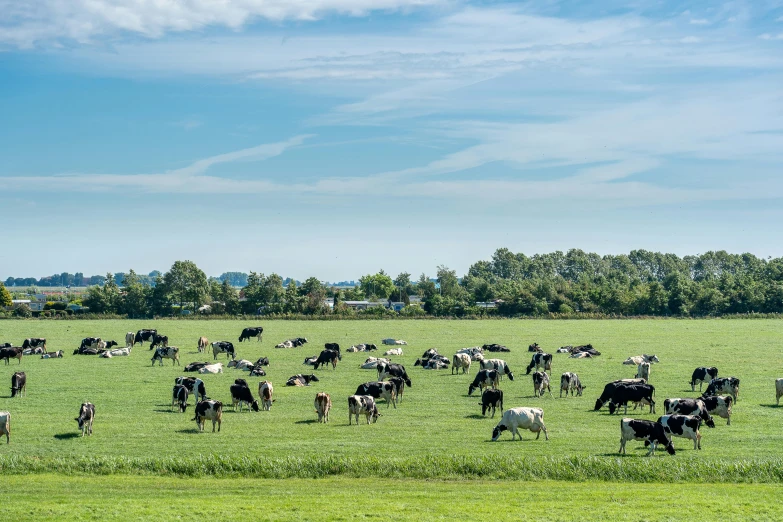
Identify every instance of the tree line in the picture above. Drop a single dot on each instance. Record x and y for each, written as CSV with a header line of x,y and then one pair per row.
x,y
509,285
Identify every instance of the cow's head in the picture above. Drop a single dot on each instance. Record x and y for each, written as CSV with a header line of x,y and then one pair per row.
x,y
500,428
612,408
313,378
471,389
254,405
510,376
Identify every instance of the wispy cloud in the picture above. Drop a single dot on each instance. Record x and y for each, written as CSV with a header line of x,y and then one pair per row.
x,y
189,124
768,36
699,21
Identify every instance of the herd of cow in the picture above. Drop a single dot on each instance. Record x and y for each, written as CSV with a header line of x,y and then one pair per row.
x,y
683,416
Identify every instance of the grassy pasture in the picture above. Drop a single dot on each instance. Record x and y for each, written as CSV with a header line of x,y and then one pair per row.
x,y
436,432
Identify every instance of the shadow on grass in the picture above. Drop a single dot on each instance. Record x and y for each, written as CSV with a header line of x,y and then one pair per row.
x,y
66,436
191,430
475,416
769,405
308,421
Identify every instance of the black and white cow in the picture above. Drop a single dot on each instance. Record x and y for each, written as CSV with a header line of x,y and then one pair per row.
x,y
34,342
145,335
474,352
526,418
378,390
11,353
362,405
534,348
301,341
159,340
254,331
684,426
179,396
606,395
703,374
18,384
301,380
778,390
194,385
333,347
648,431
484,379
89,342
399,387
394,370
719,405
540,360
430,364
638,393
327,357
262,361
241,394
497,364
170,352
5,426
195,366
728,385
494,347
541,384
493,399
694,407
5,345
461,361
85,418
209,410
570,382
225,347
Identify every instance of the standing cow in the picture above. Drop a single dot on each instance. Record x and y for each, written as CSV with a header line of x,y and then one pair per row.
x,y
540,360
526,418
5,426
570,382
248,333
323,403
209,410
265,391
85,418
703,374
202,344
362,405
18,384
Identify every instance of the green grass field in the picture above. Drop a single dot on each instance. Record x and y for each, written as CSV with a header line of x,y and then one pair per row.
x,y
436,432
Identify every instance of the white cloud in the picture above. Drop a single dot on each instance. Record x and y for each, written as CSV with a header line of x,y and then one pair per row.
x,y
768,36
700,21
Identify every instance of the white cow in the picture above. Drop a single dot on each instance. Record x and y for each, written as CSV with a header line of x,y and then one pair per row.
x,y
130,339
285,344
119,352
212,368
372,363
393,351
643,371
242,364
526,418
460,361
5,426
323,403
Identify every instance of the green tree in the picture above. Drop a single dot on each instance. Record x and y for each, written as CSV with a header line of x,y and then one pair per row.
x,y
135,297
292,299
377,285
5,296
187,283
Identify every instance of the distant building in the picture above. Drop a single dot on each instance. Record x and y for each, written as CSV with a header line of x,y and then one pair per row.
x,y
362,305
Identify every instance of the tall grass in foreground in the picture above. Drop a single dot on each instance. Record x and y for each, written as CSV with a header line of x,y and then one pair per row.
x,y
573,468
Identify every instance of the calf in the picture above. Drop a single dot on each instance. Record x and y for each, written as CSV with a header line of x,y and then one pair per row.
x,y
499,365
541,383
248,333
720,406
606,395
648,431
728,385
491,399
638,393
194,385
685,426
643,371
484,379
5,426
19,384
638,359
526,418
34,342
362,405
703,374
211,368
323,403
399,387
540,360
170,352
85,418
695,407
11,353
377,390
301,380
570,382
223,347
395,370
202,344
209,410
778,390
461,361
327,357
179,395
130,339
159,340
265,391
241,394
195,366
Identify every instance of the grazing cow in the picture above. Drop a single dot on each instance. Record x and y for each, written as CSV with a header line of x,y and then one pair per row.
x,y
169,352
372,363
333,347
393,342
540,360
685,426
378,390
484,379
497,364
241,394
703,374
85,418
211,368
130,339
301,380
695,407
53,355
162,340
242,364
194,385
606,395
5,426
327,357
11,353
34,342
570,382
399,387
89,342
145,335
526,418
494,347
223,347
638,393
248,333
541,383
265,391
362,405
209,410
491,399
461,361
534,348
393,351
202,344
778,390
728,385
636,360
643,371
720,406
651,432
395,370
195,366
19,384
475,352
323,403
179,395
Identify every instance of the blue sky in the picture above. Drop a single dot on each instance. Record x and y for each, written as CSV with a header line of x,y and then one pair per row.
x,y
336,137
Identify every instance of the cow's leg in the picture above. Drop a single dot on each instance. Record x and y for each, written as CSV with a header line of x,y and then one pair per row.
x,y
697,441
